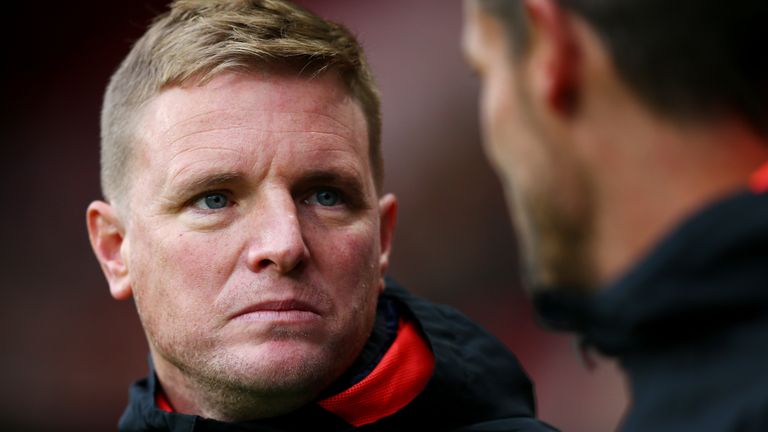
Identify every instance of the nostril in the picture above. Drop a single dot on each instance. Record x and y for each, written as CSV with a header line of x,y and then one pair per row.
x,y
282,263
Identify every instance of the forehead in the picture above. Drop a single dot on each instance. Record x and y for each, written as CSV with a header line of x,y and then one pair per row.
x,y
250,98
241,119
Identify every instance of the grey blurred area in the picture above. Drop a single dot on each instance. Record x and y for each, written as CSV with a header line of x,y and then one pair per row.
x,y
70,351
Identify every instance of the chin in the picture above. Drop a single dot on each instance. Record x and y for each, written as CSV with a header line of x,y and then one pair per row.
x,y
280,364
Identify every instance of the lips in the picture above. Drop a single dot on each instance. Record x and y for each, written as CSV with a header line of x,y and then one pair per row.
x,y
278,310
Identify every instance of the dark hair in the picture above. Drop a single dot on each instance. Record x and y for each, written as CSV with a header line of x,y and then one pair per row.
x,y
691,59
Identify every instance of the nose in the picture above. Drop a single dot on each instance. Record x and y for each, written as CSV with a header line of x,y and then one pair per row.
x,y
279,242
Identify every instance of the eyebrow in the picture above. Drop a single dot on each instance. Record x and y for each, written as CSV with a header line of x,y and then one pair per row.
x,y
336,177
205,182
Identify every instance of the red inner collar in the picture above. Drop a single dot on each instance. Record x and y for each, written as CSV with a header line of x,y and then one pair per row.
x,y
758,182
399,377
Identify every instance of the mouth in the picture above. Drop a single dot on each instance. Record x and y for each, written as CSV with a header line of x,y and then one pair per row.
x,y
279,311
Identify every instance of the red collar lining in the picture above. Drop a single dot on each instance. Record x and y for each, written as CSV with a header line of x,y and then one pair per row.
x,y
161,401
758,182
400,376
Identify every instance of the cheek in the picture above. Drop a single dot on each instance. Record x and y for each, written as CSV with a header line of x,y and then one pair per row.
x,y
183,272
356,290
500,121
513,139
356,252
349,262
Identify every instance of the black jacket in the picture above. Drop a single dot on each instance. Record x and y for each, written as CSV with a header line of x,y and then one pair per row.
x,y
477,385
689,323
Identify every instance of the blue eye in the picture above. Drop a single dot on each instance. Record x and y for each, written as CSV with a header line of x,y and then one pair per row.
x,y
327,197
212,201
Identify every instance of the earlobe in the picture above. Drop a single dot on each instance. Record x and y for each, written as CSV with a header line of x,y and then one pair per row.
x,y
107,235
387,220
555,55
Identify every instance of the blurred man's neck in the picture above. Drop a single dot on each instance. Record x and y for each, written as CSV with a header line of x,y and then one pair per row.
x,y
659,173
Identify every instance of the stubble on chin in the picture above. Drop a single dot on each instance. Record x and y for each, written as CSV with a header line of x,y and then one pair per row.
x,y
231,385
555,245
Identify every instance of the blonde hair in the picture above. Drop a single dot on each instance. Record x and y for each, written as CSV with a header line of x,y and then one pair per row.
x,y
197,39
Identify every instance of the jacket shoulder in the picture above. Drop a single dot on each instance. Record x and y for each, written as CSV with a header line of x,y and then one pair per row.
x,y
477,383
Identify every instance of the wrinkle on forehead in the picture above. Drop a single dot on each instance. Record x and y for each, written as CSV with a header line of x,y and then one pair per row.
x,y
248,118
263,125
187,150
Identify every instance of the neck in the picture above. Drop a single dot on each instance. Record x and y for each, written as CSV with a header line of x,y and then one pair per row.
x,y
659,175
220,402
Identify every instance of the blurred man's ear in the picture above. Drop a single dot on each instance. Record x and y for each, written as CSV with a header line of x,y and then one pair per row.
x,y
107,233
387,219
553,55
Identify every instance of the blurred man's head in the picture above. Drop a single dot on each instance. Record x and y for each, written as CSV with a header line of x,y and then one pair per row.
x,y
586,105
241,165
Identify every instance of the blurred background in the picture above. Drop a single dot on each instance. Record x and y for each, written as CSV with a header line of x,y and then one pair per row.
x,y
70,351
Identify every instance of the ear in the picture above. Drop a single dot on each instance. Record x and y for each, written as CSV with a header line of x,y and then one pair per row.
x,y
554,55
387,220
107,235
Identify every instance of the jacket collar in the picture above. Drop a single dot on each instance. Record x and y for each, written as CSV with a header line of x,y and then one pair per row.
x,y
710,271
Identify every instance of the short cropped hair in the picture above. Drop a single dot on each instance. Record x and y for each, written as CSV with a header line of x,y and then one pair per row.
x,y
198,39
688,59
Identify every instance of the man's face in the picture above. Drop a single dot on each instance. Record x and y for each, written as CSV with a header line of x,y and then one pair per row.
x,y
253,241
546,190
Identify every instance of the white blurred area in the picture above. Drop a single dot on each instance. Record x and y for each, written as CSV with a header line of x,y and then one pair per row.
x,y
453,243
